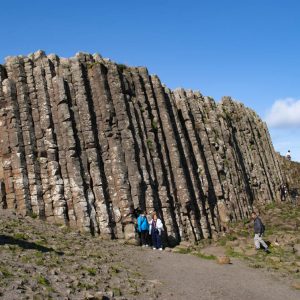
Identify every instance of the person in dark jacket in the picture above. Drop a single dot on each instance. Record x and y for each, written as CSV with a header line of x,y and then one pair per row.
x,y
143,228
259,229
283,192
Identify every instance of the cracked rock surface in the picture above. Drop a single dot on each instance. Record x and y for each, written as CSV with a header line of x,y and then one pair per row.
x,y
86,141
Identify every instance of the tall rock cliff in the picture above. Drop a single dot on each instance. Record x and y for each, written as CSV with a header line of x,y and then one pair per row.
x,y
85,141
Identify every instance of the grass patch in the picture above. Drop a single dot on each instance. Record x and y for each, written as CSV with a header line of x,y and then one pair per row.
x,y
182,250
25,259
43,280
232,253
5,272
136,274
115,269
21,236
87,286
42,241
33,215
270,206
205,256
40,262
255,266
117,292
38,254
92,271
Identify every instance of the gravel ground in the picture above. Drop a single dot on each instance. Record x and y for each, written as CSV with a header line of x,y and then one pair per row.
x,y
189,277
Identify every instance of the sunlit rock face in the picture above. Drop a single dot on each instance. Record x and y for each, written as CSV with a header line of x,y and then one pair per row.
x,y
86,141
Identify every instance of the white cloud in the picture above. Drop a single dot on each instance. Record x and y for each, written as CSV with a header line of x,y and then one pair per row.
x,y
284,113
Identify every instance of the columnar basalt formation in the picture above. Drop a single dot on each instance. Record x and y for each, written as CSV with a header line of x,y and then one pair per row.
x,y
85,141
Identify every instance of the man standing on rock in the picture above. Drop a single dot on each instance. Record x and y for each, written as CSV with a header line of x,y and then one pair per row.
x,y
259,229
288,155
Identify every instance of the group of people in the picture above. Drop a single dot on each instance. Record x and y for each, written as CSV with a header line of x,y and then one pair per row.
x,y
152,227
288,193
150,230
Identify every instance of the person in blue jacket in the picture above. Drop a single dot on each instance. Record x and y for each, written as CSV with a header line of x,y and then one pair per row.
x,y
143,228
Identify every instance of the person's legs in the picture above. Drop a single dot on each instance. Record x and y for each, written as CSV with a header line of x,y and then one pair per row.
x,y
262,242
158,241
143,236
153,239
259,241
146,238
256,241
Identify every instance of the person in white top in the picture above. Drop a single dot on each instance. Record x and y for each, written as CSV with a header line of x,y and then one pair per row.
x,y
155,229
288,155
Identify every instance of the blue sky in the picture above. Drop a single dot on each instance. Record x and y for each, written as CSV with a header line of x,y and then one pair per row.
x,y
249,50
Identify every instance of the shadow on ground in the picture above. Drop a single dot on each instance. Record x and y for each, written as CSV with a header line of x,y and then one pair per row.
x,y
8,240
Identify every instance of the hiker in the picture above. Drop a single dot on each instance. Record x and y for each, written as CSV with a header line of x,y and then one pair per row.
x,y
143,228
259,229
288,155
155,230
283,192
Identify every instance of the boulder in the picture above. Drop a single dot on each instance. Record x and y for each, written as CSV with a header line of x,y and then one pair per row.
x,y
223,260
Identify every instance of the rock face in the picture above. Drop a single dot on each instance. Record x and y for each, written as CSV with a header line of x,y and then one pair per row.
x,y
85,141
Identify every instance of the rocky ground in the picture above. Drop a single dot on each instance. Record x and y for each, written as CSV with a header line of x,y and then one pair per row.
x,y
42,261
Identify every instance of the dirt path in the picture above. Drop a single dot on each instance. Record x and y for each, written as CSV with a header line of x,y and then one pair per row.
x,y
189,277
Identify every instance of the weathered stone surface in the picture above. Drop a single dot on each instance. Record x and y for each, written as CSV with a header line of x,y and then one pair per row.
x,y
85,141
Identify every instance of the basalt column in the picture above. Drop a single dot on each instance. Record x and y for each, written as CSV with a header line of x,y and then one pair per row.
x,y
87,142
